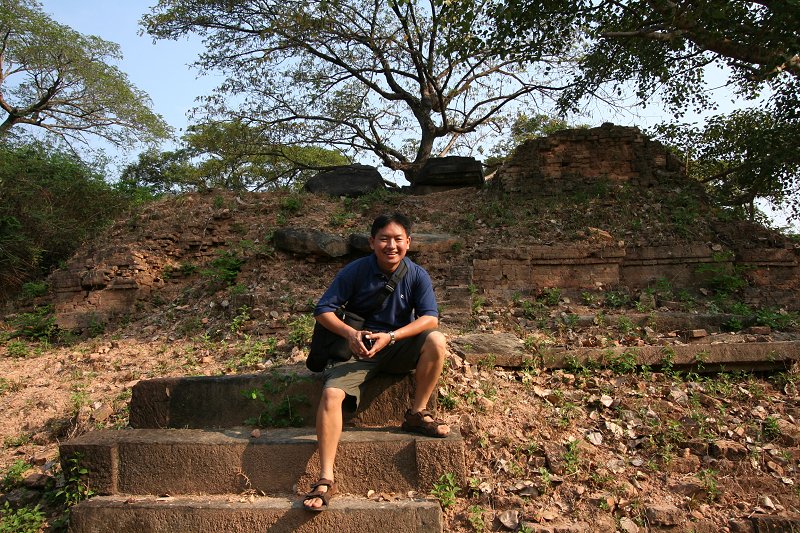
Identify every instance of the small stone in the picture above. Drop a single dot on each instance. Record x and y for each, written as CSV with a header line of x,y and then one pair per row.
x,y
256,433
728,449
664,515
509,519
627,525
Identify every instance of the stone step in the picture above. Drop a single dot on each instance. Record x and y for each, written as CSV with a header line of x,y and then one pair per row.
x,y
722,356
240,514
508,351
196,461
293,392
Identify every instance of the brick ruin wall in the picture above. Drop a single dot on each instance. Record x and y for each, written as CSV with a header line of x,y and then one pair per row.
x,y
773,274
569,158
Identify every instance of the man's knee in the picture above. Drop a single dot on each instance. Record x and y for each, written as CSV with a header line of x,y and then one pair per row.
x,y
435,345
332,398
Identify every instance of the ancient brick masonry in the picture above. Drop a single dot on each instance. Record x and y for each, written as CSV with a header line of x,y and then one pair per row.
x,y
550,165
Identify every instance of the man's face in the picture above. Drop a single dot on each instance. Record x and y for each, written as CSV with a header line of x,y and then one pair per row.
x,y
390,245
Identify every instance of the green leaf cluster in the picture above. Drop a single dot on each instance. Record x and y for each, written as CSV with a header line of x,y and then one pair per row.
x,y
65,83
52,202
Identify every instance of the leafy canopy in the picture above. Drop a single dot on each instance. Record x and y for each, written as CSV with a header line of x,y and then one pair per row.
x,y
57,79
363,76
227,155
667,49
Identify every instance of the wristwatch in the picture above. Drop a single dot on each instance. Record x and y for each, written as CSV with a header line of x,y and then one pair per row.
x,y
391,338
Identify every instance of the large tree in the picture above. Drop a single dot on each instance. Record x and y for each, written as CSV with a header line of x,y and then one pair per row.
x,y
666,49
55,78
380,76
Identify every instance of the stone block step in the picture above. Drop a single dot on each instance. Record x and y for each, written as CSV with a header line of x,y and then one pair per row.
x,y
293,393
722,356
712,357
237,514
196,461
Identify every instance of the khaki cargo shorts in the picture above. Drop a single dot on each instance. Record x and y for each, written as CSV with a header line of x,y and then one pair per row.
x,y
350,376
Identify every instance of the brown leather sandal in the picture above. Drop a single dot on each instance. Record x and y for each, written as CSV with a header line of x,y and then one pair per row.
x,y
416,423
325,496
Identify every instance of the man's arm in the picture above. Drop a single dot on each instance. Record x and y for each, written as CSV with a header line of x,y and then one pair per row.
x,y
416,327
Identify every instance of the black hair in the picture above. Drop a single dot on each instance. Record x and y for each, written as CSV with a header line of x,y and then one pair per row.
x,y
384,220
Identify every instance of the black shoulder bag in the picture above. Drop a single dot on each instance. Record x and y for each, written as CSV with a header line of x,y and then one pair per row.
x,y
326,345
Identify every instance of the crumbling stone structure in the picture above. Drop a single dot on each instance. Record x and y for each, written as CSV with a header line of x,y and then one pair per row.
x,y
112,280
569,158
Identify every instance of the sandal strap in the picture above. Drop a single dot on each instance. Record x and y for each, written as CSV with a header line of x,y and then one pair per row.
x,y
323,482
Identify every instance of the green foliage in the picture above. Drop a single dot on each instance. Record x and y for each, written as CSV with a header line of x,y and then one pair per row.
x,y
39,324
224,269
617,299
21,520
45,215
34,289
67,84
446,490
239,320
475,517
13,475
280,407
776,319
17,349
708,479
300,330
76,487
770,429
724,276
572,458
229,155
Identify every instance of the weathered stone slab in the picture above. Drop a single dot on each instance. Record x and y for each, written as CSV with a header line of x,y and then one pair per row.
x,y
192,461
420,242
227,514
451,171
501,349
310,242
348,180
220,401
726,355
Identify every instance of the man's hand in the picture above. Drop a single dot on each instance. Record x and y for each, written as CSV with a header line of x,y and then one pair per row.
x,y
379,342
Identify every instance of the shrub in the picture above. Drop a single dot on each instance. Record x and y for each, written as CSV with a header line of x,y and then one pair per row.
x,y
44,215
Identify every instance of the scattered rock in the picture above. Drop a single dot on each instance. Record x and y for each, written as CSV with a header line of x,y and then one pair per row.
x,y
664,515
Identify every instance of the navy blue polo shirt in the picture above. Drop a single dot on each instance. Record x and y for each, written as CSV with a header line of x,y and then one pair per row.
x,y
359,282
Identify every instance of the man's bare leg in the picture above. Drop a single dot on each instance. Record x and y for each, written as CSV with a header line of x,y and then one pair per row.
x,y
429,369
329,430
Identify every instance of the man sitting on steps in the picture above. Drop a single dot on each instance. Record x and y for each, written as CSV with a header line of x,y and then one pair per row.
x,y
402,333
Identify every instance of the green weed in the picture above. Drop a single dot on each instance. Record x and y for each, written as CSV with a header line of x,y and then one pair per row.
x,y
34,289
475,517
300,330
280,407
17,349
446,489
22,520
13,475
224,269
40,324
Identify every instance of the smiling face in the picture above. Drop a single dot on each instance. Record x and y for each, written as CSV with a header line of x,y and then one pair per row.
x,y
390,245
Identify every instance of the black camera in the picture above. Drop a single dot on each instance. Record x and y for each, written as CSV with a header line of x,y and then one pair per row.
x,y
368,343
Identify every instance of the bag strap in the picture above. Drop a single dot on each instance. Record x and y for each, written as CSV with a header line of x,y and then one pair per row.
x,y
387,290
390,286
